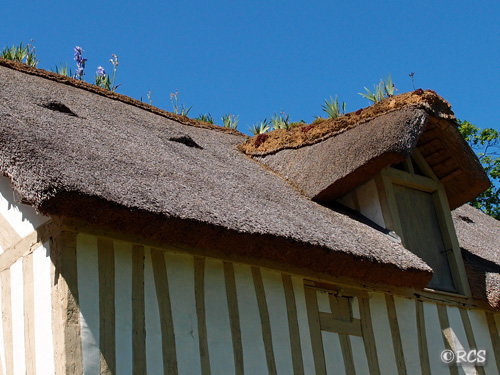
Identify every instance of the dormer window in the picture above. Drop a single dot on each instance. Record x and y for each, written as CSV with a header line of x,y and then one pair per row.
x,y
408,199
416,208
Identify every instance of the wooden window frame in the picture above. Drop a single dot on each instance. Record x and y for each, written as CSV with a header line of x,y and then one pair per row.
x,y
430,184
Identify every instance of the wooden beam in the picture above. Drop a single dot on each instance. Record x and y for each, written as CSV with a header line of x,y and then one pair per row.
x,y
330,324
234,317
199,291
422,339
293,325
165,310
395,334
315,331
368,336
264,318
138,319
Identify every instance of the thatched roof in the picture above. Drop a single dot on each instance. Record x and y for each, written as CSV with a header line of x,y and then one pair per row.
x,y
61,144
479,238
351,149
84,154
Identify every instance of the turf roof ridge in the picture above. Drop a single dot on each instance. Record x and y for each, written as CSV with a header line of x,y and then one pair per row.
x,y
309,134
113,95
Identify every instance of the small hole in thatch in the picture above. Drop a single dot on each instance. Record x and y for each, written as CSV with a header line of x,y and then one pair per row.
x,y
466,219
59,107
186,140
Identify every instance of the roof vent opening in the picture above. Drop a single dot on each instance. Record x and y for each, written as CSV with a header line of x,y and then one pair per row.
x,y
186,140
466,219
59,107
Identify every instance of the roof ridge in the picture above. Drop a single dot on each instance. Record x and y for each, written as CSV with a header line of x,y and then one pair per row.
x,y
184,120
310,134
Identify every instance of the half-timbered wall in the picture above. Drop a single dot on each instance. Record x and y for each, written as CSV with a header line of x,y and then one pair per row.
x,y
75,303
25,289
147,310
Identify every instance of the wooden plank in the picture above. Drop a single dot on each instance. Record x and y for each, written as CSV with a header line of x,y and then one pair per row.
x,y
345,345
384,205
8,235
329,324
29,314
396,336
138,320
165,310
341,310
368,337
65,302
495,339
450,237
106,305
293,325
445,327
264,318
7,322
234,317
315,331
414,181
340,290
423,165
470,335
422,339
26,245
390,196
199,291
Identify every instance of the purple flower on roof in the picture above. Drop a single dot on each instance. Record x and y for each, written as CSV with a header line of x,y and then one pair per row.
x,y
100,71
80,62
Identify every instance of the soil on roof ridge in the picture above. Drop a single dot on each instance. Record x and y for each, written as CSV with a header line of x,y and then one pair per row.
x,y
322,129
113,95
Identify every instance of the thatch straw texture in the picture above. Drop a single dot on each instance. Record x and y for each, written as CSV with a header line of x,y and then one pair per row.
x,y
58,140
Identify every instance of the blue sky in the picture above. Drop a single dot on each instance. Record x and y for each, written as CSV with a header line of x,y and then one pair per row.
x,y
257,58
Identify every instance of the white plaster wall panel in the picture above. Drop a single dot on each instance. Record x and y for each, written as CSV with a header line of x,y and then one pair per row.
x,y
334,361
459,337
254,356
483,339
359,355
22,218
123,307
382,333
407,319
219,339
278,317
305,335
88,295
435,341
44,350
180,272
154,356
323,301
2,343
369,202
17,303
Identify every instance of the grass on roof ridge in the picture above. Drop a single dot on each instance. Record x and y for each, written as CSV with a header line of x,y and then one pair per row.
x,y
321,128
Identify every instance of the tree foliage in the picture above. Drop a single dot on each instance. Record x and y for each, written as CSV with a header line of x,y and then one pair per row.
x,y
486,144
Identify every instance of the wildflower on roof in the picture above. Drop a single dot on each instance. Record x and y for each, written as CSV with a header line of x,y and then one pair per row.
x,y
80,62
100,71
